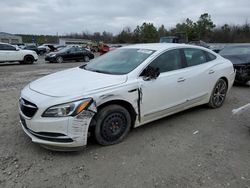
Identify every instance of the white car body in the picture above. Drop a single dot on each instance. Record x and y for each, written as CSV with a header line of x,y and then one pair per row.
x,y
171,92
15,54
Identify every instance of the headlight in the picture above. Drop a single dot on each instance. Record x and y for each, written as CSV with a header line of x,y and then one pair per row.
x,y
68,109
53,55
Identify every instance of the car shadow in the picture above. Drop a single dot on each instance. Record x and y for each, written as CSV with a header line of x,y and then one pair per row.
x,y
10,64
247,85
92,145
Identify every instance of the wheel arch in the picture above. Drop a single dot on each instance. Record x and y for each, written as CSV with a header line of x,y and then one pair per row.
x,y
225,79
128,106
28,55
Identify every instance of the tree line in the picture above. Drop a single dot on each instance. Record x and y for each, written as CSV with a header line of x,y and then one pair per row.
x,y
202,29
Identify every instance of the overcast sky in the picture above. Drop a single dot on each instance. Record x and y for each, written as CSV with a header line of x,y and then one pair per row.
x,y
66,16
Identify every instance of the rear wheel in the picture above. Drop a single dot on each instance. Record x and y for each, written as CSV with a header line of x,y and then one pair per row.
x,y
112,125
219,93
59,59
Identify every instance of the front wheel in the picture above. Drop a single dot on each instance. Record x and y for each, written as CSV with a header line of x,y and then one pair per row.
x,y
59,59
112,125
219,93
86,58
28,60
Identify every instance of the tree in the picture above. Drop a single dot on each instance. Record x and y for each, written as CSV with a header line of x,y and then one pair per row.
x,y
204,26
137,34
125,36
188,27
162,32
147,33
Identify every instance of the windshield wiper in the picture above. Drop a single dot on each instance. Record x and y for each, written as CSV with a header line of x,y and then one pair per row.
x,y
99,71
93,70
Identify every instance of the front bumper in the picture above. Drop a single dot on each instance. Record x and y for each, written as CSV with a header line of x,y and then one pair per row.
x,y
65,134
50,58
242,73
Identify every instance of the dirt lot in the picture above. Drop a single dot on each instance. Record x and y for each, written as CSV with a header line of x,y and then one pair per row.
x,y
165,153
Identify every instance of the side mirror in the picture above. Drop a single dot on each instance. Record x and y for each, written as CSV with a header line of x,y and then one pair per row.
x,y
150,73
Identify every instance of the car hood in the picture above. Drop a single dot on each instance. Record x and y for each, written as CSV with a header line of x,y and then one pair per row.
x,y
27,51
238,59
75,81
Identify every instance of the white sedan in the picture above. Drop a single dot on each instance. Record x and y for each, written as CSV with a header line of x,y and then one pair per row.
x,y
125,88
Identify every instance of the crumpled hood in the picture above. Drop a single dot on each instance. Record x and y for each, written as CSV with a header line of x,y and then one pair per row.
x,y
238,59
74,82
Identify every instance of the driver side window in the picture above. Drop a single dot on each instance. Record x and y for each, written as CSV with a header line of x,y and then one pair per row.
x,y
168,61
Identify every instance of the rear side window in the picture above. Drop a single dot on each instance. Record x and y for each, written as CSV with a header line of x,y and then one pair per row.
x,y
194,56
210,57
168,61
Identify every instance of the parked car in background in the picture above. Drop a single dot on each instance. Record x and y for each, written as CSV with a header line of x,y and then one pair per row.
x,y
9,53
44,48
32,47
125,88
239,55
69,53
199,43
19,45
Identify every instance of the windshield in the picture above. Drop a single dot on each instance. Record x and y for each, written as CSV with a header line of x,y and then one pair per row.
x,y
120,61
235,50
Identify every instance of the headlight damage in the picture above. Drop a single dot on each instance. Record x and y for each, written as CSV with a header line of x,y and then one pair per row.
x,y
71,109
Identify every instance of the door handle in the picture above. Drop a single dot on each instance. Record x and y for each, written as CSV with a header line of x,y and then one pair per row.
x,y
181,80
211,72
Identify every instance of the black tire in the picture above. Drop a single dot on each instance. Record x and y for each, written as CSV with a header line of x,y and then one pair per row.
x,y
28,59
219,93
112,124
86,58
59,59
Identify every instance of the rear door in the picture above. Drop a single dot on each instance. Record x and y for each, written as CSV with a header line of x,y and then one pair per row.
x,y
199,75
79,53
69,54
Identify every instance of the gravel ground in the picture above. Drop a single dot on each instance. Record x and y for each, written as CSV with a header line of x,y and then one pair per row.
x,y
196,148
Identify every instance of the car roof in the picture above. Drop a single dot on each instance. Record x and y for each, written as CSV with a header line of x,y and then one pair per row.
x,y
159,46
5,43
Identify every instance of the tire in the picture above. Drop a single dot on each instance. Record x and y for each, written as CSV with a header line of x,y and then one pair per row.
x,y
113,123
28,59
86,58
59,59
219,93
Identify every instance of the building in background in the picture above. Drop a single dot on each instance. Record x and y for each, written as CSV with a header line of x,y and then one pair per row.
x,y
65,41
10,38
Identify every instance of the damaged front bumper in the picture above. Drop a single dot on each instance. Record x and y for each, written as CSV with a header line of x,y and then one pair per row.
x,y
59,133
56,133
242,73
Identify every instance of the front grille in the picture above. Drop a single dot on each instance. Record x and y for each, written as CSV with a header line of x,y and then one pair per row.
x,y
49,136
28,109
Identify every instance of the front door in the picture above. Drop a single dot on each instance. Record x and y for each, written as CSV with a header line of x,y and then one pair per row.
x,y
167,92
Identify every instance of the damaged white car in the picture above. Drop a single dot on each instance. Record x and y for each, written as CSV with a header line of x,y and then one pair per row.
x,y
120,90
